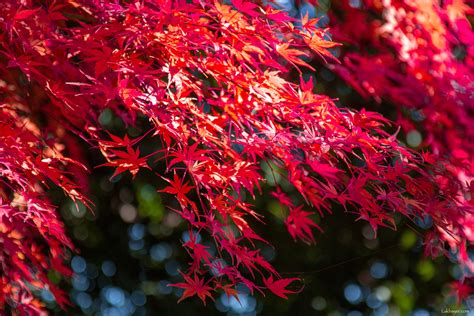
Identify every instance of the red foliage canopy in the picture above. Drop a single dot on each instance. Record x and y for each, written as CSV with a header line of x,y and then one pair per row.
x,y
211,78
419,57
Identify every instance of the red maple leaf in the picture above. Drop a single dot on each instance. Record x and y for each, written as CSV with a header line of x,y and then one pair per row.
x,y
300,226
197,251
292,55
278,287
194,286
129,160
179,188
462,289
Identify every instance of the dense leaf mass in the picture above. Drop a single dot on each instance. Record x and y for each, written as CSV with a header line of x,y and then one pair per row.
x,y
419,57
212,79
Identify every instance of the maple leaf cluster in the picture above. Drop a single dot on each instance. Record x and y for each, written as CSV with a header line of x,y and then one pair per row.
x,y
32,237
213,81
419,56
